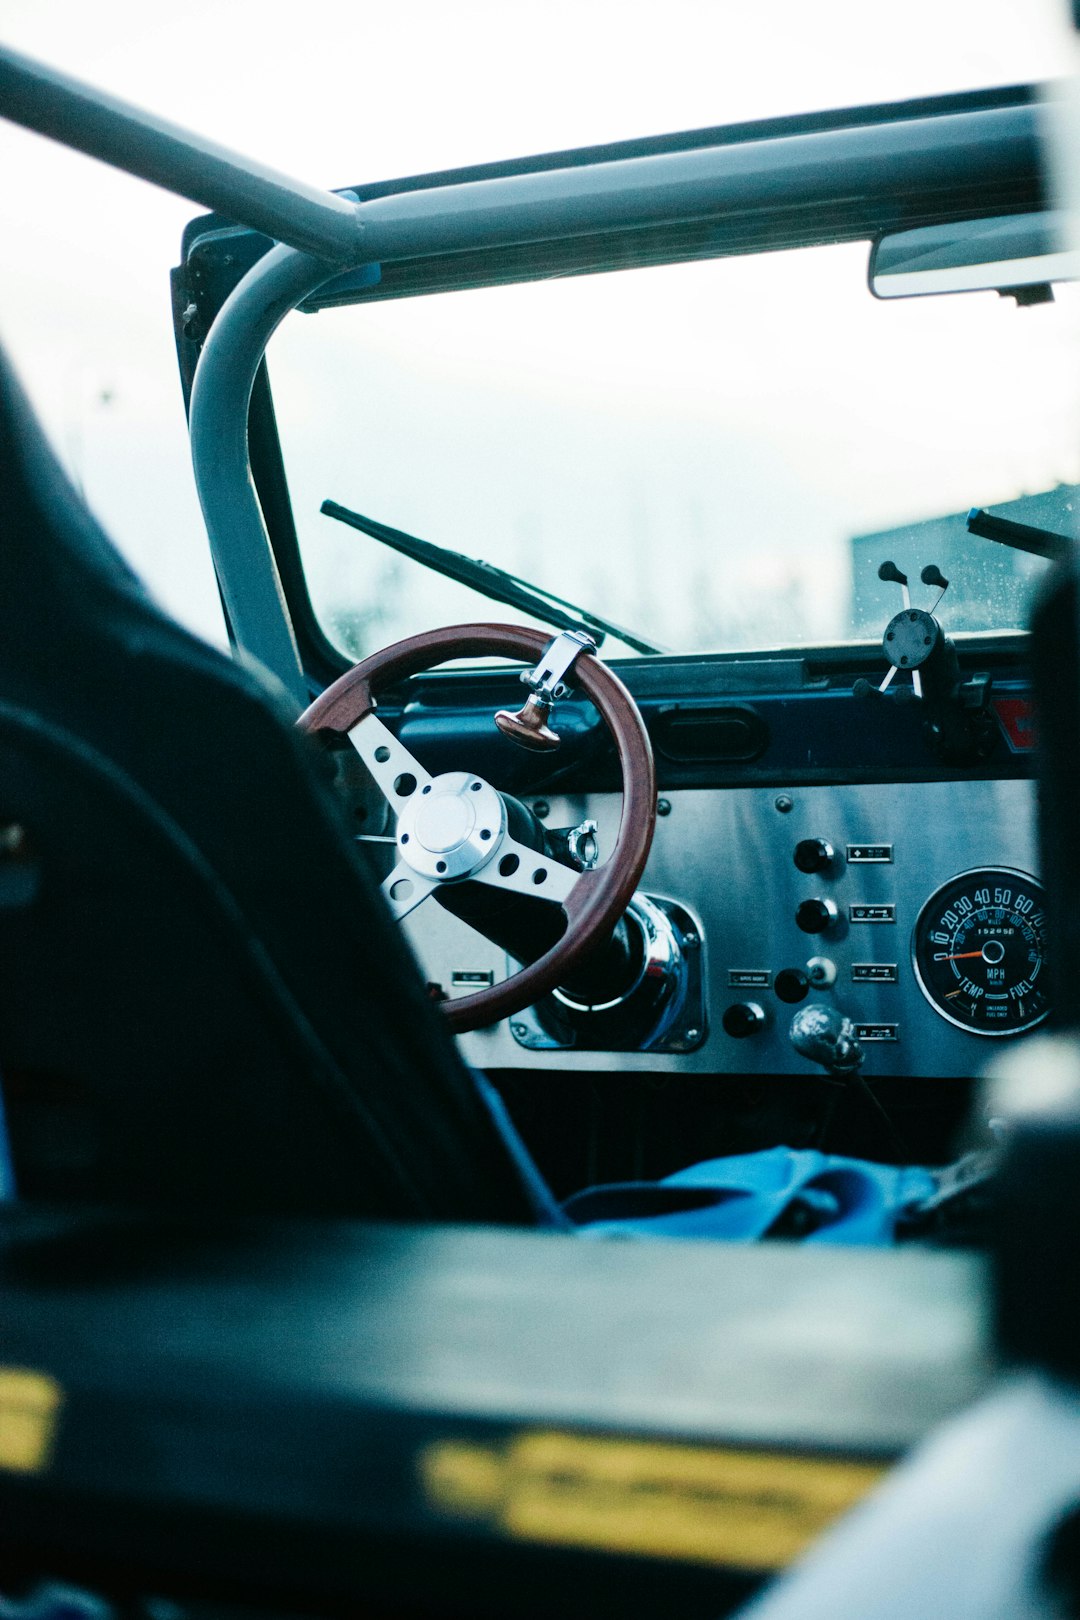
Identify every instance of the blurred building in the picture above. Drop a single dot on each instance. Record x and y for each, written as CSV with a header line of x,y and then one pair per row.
x,y
990,585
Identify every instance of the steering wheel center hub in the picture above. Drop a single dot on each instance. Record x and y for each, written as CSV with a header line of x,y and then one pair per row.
x,y
451,826
444,822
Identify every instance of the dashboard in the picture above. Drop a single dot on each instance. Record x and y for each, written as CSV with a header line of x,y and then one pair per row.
x,y
773,938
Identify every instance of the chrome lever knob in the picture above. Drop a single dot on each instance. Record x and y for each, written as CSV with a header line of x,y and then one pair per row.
x,y
825,1036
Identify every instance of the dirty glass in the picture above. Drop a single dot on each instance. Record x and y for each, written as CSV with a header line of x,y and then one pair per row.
x,y
717,455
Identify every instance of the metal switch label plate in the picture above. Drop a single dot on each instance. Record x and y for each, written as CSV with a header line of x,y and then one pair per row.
x,y
869,854
872,913
749,978
874,973
877,1032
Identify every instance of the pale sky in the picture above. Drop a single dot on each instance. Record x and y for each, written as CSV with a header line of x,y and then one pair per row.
x,y
340,93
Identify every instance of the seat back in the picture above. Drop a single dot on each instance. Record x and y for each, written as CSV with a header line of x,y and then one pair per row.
x,y
203,999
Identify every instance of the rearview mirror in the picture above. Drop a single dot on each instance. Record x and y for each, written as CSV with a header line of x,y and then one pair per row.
x,y
1015,253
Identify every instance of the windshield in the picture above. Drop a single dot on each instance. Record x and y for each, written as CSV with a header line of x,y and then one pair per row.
x,y
717,455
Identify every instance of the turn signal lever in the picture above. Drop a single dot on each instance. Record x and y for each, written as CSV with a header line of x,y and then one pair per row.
x,y
825,1036
959,726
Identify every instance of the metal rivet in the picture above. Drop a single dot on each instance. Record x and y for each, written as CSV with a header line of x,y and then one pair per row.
x,y
784,804
663,807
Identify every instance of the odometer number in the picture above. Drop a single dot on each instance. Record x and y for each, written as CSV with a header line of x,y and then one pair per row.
x,y
979,951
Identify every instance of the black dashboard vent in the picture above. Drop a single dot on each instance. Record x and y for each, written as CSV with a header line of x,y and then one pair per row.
x,y
732,733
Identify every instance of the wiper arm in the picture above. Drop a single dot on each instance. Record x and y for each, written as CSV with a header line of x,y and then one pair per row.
x,y
1021,536
490,581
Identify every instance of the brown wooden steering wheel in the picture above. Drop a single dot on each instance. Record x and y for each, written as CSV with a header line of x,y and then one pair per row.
x,y
452,828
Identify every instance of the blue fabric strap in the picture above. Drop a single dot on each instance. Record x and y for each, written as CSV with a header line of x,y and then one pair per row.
x,y
782,1191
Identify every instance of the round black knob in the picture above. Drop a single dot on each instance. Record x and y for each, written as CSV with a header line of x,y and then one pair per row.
x,y
743,1018
791,985
814,916
814,854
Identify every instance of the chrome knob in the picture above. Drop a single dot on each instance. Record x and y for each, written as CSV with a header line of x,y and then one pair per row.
x,y
825,1036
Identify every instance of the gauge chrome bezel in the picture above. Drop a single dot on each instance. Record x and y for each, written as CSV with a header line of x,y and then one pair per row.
x,y
959,877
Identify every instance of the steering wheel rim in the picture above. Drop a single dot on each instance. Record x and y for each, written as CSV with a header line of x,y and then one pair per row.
x,y
599,896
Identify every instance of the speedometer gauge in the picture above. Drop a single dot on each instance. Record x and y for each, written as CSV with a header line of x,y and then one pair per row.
x,y
979,951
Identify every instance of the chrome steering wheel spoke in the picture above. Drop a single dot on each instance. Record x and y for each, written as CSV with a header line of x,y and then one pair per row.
x,y
405,888
523,871
397,774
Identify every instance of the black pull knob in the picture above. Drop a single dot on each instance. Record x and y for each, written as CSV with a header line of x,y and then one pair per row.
x,y
743,1018
791,985
889,571
814,854
814,916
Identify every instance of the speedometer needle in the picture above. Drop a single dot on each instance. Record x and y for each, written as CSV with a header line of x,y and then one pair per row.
x,y
961,956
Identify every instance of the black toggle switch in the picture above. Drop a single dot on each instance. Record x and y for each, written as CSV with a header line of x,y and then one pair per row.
x,y
814,854
814,916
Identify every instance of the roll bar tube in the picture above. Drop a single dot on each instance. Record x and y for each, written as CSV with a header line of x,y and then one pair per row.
x,y
130,138
218,424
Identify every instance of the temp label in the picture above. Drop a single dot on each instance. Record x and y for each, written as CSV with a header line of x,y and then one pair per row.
x,y
869,854
873,973
749,978
877,1032
872,914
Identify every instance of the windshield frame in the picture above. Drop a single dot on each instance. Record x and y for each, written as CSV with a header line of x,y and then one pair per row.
x,y
802,181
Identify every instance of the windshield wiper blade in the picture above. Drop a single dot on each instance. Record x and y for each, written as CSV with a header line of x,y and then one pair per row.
x,y
1021,536
491,581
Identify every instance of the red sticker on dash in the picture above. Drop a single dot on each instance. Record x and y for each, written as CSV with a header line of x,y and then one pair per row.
x,y
1016,716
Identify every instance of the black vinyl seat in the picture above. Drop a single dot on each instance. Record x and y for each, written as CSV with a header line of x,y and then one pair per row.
x,y
203,999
